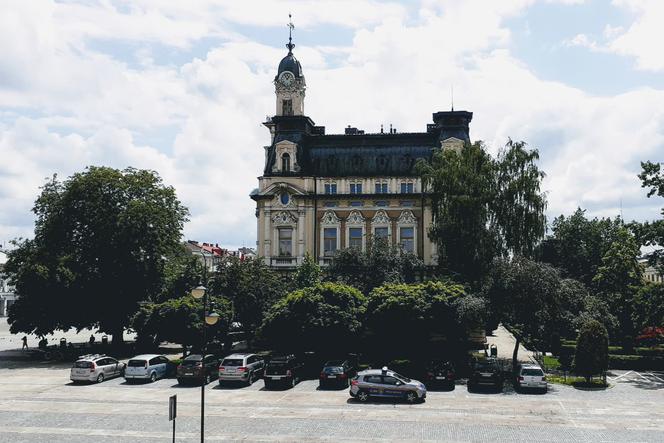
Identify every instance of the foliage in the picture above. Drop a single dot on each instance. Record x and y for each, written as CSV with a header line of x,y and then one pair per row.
x,y
596,308
652,233
101,241
379,264
179,320
251,286
182,272
308,273
576,381
401,317
325,317
649,306
592,350
484,208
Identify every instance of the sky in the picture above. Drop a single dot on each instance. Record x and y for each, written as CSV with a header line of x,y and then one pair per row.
x,y
181,88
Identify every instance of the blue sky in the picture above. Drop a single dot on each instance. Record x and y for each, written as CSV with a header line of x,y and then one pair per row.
x,y
181,88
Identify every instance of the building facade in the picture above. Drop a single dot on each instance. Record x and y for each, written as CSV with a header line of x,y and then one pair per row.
x,y
7,295
322,192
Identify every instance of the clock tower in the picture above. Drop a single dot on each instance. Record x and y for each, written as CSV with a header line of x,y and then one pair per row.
x,y
289,83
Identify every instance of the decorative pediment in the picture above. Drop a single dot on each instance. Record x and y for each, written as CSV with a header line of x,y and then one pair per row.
x,y
406,218
452,143
380,218
284,218
355,218
330,218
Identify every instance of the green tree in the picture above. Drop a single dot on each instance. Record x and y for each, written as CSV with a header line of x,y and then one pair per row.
x,y
251,286
325,317
483,207
649,306
652,233
379,264
100,246
592,350
308,273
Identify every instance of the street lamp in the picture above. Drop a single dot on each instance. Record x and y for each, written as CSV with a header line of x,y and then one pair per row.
x,y
209,318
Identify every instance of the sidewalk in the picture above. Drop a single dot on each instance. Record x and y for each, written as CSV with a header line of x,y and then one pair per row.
x,y
505,341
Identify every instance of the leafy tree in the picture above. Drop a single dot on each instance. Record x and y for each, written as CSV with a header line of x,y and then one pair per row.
x,y
325,317
592,350
596,308
652,233
182,272
308,273
251,286
531,300
649,306
484,207
179,320
578,244
379,264
101,241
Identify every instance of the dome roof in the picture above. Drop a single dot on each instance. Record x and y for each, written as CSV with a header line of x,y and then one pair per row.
x,y
290,63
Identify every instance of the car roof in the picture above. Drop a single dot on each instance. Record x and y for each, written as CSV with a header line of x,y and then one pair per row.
x,y
376,372
334,362
91,357
146,356
530,366
239,355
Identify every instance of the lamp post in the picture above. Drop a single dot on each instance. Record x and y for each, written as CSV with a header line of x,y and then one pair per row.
x,y
211,318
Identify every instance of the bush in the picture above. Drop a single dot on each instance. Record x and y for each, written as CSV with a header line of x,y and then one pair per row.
x,y
636,362
592,350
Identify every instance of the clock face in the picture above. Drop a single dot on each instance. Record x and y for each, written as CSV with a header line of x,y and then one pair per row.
x,y
287,79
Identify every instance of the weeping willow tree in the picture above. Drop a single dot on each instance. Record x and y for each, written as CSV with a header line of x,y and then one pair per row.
x,y
484,207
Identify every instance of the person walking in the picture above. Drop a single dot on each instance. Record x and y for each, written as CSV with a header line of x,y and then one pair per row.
x,y
25,343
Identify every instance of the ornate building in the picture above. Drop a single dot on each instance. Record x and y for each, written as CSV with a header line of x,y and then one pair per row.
x,y
323,192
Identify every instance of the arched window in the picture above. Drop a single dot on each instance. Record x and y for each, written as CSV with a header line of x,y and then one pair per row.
x,y
285,162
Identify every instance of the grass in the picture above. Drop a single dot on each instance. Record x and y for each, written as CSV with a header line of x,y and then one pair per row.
x,y
577,382
551,362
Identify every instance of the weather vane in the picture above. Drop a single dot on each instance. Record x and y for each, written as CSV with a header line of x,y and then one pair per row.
x,y
291,26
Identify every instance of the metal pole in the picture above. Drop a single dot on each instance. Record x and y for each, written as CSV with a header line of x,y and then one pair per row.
x,y
205,296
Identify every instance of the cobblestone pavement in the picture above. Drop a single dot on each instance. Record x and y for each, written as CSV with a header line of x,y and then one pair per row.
x,y
38,404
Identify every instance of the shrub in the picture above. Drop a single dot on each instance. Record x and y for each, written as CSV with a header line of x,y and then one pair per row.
x,y
592,350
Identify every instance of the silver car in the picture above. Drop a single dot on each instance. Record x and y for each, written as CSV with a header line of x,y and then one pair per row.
x,y
148,367
531,376
245,368
386,383
96,368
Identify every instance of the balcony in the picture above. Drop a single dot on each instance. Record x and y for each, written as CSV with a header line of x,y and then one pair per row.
x,y
283,262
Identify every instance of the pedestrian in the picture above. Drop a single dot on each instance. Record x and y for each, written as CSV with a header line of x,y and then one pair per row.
x,y
25,343
92,339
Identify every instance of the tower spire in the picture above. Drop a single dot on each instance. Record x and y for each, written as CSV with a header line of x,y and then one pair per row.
x,y
291,26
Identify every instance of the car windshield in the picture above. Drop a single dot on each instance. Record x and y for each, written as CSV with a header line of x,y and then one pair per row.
x,y
278,364
532,372
334,363
333,369
485,366
438,365
136,363
83,364
192,360
402,378
232,362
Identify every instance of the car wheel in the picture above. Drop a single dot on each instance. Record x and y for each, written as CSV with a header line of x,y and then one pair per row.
x,y
153,377
363,396
470,387
208,379
293,382
122,372
251,379
268,385
100,378
411,397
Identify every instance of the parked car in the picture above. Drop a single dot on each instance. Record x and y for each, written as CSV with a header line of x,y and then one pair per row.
x,y
148,367
285,370
386,383
245,368
96,368
195,369
531,376
486,373
336,373
440,373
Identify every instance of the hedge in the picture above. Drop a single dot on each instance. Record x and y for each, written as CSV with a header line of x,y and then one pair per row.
x,y
637,362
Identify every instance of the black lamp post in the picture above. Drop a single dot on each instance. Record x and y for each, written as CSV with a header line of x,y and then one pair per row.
x,y
211,318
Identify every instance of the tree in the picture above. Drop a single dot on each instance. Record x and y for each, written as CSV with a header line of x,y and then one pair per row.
x,y
101,241
325,317
251,286
483,207
379,264
530,299
308,273
649,306
592,350
652,233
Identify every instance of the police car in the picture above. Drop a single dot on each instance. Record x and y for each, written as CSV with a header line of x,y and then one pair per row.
x,y
386,383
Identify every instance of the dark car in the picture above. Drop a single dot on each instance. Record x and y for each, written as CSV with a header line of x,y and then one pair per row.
x,y
283,370
440,373
193,369
336,373
486,373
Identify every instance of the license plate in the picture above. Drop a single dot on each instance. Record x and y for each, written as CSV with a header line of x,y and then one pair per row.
x,y
440,378
486,374
331,376
188,372
275,377
230,370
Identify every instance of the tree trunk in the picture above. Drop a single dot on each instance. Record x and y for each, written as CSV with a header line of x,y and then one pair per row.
x,y
118,339
515,354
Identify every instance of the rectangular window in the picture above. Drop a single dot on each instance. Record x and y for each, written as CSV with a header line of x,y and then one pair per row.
x,y
330,188
407,239
329,241
407,203
286,242
357,203
287,107
381,203
330,204
381,233
381,188
406,188
356,188
355,238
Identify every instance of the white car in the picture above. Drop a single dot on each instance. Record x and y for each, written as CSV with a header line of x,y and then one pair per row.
x,y
148,367
96,368
531,376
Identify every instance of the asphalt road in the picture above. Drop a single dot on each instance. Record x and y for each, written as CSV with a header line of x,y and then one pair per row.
x,y
38,404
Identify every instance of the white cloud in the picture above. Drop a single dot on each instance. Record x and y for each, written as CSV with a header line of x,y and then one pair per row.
x,y
66,105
